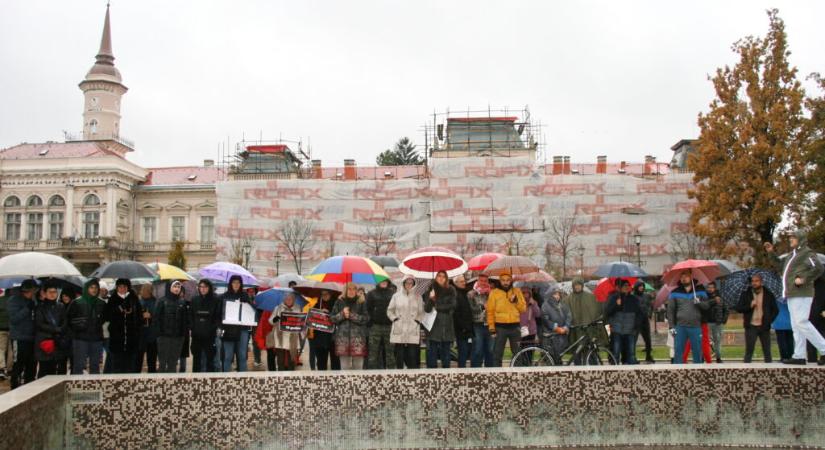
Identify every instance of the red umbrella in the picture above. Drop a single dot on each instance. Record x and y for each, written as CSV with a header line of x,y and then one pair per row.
x,y
607,286
426,262
701,270
483,260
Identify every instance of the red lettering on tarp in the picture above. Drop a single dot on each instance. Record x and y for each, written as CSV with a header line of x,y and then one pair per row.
x,y
599,208
286,214
497,172
284,193
441,193
663,188
381,214
552,189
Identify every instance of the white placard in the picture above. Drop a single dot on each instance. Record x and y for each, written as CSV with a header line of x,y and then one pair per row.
x,y
429,319
239,313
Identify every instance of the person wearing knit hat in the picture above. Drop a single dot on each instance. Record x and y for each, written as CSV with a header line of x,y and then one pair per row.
x,y
125,315
21,333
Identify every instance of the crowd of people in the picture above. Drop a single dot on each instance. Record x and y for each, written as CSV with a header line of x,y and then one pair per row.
x,y
52,329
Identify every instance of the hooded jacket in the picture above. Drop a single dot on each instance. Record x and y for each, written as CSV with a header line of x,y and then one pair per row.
x,y
233,332
50,324
171,317
406,310
378,300
125,317
685,308
802,263
205,313
555,314
583,306
85,315
645,298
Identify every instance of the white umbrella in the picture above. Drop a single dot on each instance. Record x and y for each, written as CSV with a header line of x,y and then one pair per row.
x,y
37,265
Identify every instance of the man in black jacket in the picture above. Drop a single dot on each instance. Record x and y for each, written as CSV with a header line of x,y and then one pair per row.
x,y
646,303
624,314
380,325
21,333
125,316
717,318
205,320
85,320
758,308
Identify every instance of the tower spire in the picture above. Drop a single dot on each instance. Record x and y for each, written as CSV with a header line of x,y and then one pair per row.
x,y
105,55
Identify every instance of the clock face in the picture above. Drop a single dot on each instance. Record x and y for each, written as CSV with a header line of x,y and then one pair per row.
x,y
94,101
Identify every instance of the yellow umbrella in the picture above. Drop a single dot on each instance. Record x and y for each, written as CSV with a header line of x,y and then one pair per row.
x,y
169,272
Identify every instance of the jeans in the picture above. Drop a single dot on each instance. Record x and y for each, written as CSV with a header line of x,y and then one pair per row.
x,y
716,334
407,355
83,351
482,346
764,336
706,351
683,335
784,339
233,349
25,366
803,329
203,352
169,349
465,348
381,354
438,350
624,348
505,333
150,353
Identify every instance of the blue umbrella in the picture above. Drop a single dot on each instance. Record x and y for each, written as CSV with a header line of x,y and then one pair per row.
x,y
271,298
620,270
7,283
734,284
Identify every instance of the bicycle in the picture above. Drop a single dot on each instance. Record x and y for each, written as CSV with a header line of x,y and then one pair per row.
x,y
585,351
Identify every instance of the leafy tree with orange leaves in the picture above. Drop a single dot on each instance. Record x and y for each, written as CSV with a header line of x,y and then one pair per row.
x,y
750,158
814,216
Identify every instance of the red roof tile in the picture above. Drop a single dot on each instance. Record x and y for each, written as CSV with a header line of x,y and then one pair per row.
x,y
175,176
84,149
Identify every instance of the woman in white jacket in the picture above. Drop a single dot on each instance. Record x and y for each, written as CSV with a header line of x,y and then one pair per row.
x,y
285,343
406,310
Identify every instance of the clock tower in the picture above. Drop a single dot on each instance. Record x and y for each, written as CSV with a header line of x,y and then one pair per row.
x,y
102,89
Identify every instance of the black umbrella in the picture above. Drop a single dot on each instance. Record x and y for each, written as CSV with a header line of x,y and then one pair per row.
x,y
620,269
385,261
124,269
734,284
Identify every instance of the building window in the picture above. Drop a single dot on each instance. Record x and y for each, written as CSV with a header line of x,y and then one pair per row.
x,y
207,229
34,201
55,225
178,228
93,126
91,225
34,227
91,200
150,229
11,202
57,200
13,225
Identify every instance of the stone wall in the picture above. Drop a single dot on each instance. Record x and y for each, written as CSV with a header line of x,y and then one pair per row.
x,y
729,404
33,416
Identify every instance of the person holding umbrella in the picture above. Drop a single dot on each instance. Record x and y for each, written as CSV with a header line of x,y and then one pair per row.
x,y
482,339
684,313
205,319
441,297
504,308
320,342
406,311
624,313
21,332
149,332
50,326
285,342
235,337
800,270
646,303
350,318
125,316
85,320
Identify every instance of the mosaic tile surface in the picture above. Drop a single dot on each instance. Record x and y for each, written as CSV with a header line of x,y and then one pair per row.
x,y
734,405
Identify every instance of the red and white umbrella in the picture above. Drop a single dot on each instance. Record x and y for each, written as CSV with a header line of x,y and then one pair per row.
x,y
426,262
701,270
480,262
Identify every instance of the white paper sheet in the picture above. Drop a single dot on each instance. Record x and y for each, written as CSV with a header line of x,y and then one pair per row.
x,y
238,313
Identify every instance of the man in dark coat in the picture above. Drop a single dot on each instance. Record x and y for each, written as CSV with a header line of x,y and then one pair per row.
x,y
50,327
646,303
21,332
85,320
205,320
463,320
380,325
624,314
758,308
125,316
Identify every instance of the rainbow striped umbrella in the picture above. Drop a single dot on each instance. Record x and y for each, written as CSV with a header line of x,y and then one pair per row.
x,y
345,269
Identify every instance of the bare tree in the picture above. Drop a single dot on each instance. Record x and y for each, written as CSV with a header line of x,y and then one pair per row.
x,y
236,248
297,235
378,238
330,250
561,231
517,244
686,245
479,244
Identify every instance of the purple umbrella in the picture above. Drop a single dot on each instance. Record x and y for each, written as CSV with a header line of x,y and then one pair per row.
x,y
222,271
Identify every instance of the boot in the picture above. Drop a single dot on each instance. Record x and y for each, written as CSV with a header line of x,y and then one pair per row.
x,y
649,358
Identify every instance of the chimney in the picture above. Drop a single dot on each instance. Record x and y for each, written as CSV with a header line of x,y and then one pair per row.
x,y
557,165
350,172
650,163
623,167
566,165
316,169
601,164
208,162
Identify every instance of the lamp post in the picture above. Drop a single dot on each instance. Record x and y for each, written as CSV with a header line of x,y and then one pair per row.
x,y
277,264
638,238
247,249
580,249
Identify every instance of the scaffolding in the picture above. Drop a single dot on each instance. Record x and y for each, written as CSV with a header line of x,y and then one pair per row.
x,y
265,159
490,132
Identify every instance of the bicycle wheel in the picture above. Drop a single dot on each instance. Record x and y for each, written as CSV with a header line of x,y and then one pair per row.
x,y
532,357
599,356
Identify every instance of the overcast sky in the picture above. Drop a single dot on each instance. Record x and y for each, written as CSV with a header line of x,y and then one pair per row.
x,y
618,78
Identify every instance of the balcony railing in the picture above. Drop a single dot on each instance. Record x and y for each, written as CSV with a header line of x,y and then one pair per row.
x,y
81,136
99,244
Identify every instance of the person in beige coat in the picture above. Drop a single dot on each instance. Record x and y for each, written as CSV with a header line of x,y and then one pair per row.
x,y
405,311
285,343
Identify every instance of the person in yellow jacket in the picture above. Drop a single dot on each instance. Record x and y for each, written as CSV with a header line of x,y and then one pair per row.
x,y
504,306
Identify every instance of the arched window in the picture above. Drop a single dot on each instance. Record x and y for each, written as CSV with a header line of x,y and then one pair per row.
x,y
91,200
11,202
93,126
57,200
34,201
